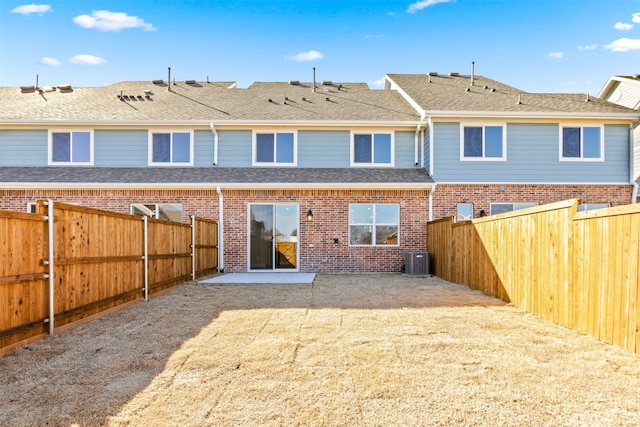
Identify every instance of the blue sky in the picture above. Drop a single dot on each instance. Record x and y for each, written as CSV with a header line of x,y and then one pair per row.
x,y
535,45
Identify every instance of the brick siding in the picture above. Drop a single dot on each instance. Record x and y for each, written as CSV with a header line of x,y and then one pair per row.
x,y
447,196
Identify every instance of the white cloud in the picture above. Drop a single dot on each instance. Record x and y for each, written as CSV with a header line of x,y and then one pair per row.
x,y
312,55
49,61
87,60
622,26
105,20
419,5
623,45
28,9
588,47
377,84
556,55
636,17
373,36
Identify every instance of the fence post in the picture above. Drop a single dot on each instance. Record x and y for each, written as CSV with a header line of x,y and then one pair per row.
x,y
51,265
146,257
193,247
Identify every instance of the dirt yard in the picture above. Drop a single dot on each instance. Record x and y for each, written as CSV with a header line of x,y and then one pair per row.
x,y
349,350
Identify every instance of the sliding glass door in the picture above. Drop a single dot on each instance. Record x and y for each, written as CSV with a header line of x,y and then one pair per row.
x,y
273,236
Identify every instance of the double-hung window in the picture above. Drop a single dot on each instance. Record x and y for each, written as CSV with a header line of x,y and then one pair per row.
x,y
374,224
274,148
584,143
167,148
486,142
71,147
372,149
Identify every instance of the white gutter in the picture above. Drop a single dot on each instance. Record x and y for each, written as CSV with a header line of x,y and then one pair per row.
x,y
220,230
303,124
215,143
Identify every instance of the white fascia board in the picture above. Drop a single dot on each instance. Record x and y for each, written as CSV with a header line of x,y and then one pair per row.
x,y
411,101
218,123
607,87
532,116
213,186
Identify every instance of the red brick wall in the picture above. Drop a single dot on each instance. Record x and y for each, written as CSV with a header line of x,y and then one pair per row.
x,y
318,252
447,196
202,203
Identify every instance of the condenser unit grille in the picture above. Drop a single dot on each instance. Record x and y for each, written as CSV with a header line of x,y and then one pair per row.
x,y
417,263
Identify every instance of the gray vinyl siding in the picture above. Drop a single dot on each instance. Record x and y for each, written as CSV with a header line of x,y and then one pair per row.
x,y
319,149
202,148
234,148
405,144
121,148
23,147
532,156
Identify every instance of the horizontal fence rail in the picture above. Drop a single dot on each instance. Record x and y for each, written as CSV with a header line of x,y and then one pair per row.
x,y
100,260
577,269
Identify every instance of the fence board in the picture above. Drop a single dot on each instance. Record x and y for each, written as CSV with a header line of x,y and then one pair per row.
x,y
98,265
579,270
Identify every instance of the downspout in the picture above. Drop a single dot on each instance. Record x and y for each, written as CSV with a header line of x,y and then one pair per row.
x,y
220,230
215,143
634,193
51,270
433,189
416,144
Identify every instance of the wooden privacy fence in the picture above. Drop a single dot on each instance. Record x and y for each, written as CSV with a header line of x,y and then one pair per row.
x,y
577,269
67,263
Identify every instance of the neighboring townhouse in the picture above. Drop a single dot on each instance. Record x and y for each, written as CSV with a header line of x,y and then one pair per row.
x,y
492,148
321,177
625,91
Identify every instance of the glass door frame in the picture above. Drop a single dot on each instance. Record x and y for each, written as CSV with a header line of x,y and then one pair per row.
x,y
274,268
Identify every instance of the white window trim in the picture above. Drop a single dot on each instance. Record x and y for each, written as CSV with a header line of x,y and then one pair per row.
x,y
170,131
373,224
254,148
580,159
483,125
50,161
352,161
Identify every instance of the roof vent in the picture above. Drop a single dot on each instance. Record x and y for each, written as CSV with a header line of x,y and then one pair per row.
x,y
432,73
190,82
519,99
147,92
486,87
157,82
468,89
294,82
65,88
636,76
454,74
327,82
586,99
27,89
493,89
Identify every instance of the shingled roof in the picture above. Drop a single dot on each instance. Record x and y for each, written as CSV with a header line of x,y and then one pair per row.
x,y
189,101
210,177
454,95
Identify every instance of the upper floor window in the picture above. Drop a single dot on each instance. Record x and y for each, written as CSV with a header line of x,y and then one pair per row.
x,y
170,148
372,149
71,147
581,143
374,224
483,143
274,148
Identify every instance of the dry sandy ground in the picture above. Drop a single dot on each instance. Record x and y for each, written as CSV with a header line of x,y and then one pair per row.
x,y
349,350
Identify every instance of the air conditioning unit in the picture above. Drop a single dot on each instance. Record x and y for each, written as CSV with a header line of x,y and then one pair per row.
x,y
416,263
